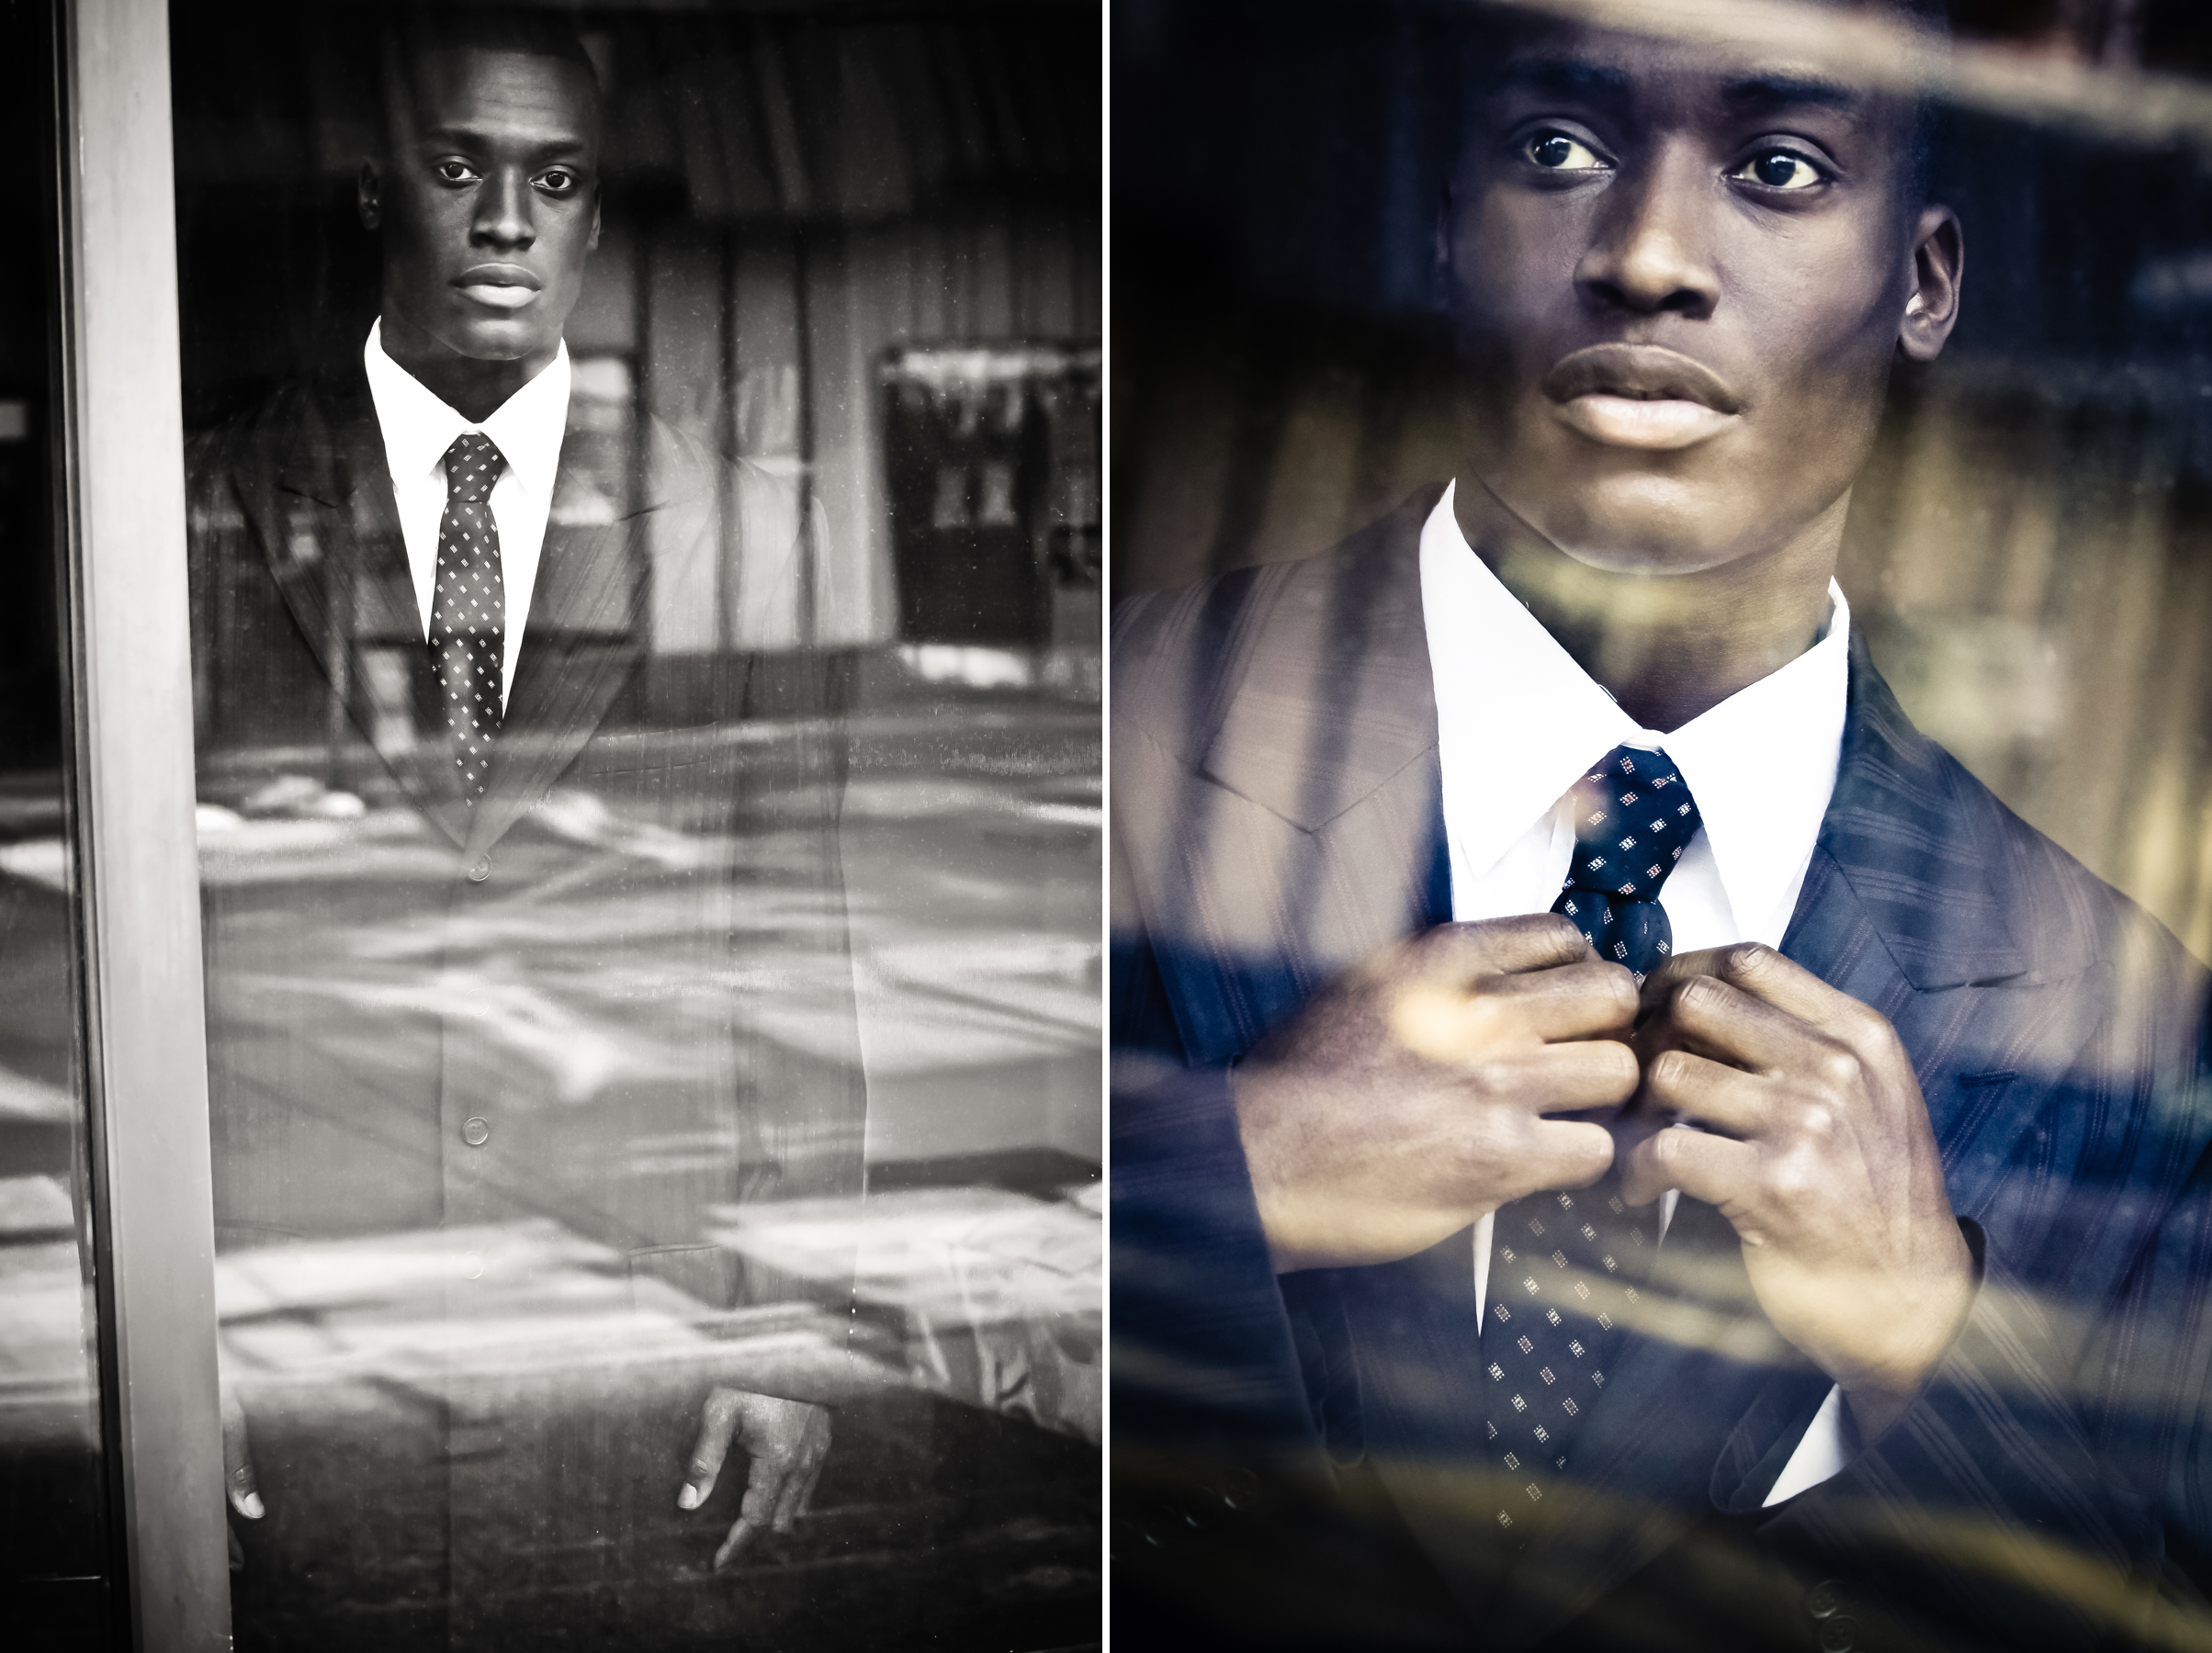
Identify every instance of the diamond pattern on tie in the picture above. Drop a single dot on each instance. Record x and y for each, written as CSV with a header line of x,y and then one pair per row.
x,y
1565,1272
1634,817
1564,1267
469,610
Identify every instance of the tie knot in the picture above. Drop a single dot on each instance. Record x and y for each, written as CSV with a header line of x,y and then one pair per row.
x,y
473,465
1634,817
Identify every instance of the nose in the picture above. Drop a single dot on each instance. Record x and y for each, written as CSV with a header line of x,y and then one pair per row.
x,y
1649,253
503,221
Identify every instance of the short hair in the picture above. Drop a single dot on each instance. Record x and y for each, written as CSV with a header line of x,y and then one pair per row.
x,y
407,33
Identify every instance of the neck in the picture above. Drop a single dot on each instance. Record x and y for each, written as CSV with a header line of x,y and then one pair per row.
x,y
1666,646
470,386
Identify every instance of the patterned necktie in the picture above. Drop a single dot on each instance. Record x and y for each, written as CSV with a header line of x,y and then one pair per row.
x,y
469,610
1565,1266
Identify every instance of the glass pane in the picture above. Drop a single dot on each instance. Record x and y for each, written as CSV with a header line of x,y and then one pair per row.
x,y
55,1568
650,867
1507,393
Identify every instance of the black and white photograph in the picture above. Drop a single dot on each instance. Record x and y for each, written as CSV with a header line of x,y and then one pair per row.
x,y
614,638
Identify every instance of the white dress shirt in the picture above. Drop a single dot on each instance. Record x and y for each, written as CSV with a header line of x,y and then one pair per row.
x,y
418,428
1518,723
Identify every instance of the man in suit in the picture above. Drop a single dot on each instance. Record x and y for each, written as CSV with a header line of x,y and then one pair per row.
x,y
1619,1141
435,566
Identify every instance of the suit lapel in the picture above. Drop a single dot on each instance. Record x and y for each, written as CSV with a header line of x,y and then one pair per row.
x,y
330,531
1311,832
1909,906
1323,717
583,640
329,528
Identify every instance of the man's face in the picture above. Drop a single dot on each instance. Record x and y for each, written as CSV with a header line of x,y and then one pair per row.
x,y
1680,275
488,200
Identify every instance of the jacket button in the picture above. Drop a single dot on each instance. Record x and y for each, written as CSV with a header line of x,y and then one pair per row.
x,y
1825,1600
1839,1635
481,871
475,1133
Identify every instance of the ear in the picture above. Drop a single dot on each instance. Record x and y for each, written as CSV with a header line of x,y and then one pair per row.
x,y
368,196
1932,299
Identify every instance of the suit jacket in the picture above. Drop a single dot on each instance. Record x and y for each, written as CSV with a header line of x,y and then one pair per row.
x,y
467,1064
1300,1461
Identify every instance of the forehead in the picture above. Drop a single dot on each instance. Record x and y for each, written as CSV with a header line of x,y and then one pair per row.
x,y
496,91
1717,79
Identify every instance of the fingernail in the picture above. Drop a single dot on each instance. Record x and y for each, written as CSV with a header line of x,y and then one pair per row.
x,y
688,1499
249,1506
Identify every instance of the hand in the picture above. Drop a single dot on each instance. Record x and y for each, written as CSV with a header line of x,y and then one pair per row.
x,y
239,1490
1817,1148
786,1441
1412,1094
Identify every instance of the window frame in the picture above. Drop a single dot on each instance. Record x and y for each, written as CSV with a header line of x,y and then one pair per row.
x,y
121,524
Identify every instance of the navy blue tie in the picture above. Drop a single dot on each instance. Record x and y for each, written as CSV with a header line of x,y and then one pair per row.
x,y
1634,817
1564,1266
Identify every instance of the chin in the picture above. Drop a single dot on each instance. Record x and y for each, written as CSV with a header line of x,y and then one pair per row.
x,y
1647,525
499,341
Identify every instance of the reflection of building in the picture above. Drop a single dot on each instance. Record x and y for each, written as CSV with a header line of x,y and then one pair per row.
x,y
789,199
992,459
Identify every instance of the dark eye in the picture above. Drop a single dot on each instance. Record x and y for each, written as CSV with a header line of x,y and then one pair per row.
x,y
456,172
1780,169
558,181
1556,152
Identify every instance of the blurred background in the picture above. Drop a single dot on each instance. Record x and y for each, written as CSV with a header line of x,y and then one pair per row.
x,y
2030,555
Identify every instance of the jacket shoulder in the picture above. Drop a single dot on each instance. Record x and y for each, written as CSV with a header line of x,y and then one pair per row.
x,y
1180,657
2064,916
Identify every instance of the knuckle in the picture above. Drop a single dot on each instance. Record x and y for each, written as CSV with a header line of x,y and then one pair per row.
x,y
1792,1177
1817,1121
1751,959
1837,1068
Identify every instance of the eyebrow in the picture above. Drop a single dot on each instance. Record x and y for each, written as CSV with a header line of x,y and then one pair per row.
x,y
1761,94
1580,80
1574,78
467,137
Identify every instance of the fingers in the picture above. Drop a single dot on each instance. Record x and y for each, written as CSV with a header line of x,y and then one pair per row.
x,y
1715,1169
1711,1094
799,1489
240,1486
1766,975
718,1424
1570,1001
1569,1079
764,1484
1566,1153
1499,946
1712,1015
1453,1027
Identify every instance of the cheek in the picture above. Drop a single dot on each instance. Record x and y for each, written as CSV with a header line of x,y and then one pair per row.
x,y
1513,260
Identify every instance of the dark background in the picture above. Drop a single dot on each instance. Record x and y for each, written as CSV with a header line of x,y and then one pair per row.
x,y
2028,554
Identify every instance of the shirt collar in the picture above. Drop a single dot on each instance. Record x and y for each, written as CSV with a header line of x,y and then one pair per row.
x,y
1761,764
419,426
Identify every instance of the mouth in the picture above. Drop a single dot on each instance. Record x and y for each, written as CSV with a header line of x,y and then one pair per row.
x,y
1640,395
499,285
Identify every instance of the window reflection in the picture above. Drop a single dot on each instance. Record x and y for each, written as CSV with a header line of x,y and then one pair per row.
x,y
732,1053
55,1570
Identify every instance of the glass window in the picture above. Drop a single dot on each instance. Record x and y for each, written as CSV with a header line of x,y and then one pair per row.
x,y
57,1573
644,581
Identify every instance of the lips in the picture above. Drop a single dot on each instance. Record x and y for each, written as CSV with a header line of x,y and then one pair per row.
x,y
1640,396
499,285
